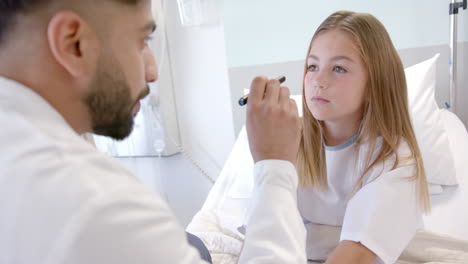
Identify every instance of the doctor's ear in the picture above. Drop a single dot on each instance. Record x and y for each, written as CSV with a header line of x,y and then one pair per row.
x,y
72,43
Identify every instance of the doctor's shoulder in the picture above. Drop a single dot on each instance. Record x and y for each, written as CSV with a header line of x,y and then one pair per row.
x,y
89,165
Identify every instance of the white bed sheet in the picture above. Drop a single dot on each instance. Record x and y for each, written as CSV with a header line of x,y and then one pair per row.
x,y
231,193
450,208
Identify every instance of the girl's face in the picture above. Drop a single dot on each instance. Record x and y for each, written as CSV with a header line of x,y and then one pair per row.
x,y
336,78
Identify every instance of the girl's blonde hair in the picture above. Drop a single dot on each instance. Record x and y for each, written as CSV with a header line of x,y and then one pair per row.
x,y
385,107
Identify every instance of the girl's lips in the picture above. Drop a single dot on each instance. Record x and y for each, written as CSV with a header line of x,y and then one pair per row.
x,y
319,100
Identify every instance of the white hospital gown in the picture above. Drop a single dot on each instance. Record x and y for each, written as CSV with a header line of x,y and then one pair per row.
x,y
383,215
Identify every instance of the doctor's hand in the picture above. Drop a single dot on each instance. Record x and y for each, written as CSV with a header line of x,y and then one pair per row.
x,y
273,124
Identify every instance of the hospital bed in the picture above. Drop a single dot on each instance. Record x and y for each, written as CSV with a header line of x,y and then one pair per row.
x,y
224,211
449,213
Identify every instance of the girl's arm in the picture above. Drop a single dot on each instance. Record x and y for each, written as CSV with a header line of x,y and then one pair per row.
x,y
351,252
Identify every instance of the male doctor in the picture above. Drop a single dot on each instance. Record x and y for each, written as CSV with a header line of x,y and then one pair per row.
x,y
73,66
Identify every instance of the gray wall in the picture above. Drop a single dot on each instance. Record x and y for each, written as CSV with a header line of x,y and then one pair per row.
x,y
240,77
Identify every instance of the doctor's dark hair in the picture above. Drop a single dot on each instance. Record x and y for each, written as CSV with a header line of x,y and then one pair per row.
x,y
9,10
385,114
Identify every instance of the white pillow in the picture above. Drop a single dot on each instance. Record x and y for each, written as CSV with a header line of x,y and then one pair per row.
x,y
458,139
430,133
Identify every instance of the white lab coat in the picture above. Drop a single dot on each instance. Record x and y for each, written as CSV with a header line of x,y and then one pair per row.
x,y
61,201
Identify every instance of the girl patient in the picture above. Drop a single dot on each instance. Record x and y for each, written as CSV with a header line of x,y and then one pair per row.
x,y
363,187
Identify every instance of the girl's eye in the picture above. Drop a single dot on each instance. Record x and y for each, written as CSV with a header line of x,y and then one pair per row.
x,y
339,69
312,68
148,38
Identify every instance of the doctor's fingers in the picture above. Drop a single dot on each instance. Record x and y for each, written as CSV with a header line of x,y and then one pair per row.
x,y
257,91
288,112
294,108
285,100
272,92
284,96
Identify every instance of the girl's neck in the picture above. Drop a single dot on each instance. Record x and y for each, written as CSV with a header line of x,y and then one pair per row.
x,y
338,132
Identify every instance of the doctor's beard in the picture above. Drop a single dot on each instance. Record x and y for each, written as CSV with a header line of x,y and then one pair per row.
x,y
110,103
